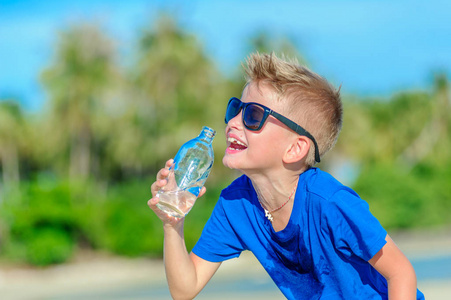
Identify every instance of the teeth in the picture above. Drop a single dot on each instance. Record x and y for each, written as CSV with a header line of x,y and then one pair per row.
x,y
235,141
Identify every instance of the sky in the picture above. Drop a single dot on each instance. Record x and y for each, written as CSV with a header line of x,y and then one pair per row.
x,y
371,48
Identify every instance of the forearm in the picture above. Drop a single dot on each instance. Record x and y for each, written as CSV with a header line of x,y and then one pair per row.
x,y
180,269
403,285
397,270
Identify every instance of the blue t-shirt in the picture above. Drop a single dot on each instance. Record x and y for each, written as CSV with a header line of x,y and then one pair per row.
x,y
323,251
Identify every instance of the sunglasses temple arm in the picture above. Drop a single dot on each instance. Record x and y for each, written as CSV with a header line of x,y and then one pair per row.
x,y
297,128
304,132
317,158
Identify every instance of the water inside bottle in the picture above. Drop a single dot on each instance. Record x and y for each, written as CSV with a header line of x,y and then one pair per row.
x,y
193,169
176,203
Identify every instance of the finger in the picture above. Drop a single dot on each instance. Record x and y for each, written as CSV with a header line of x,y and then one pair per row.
x,y
163,173
153,202
169,163
202,191
154,188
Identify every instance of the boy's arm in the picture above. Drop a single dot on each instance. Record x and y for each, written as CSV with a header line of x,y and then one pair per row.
x,y
187,274
397,269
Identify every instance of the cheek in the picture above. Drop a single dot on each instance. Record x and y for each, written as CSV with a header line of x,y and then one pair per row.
x,y
266,151
273,148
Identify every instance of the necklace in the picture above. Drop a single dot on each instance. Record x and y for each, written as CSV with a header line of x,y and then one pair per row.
x,y
268,213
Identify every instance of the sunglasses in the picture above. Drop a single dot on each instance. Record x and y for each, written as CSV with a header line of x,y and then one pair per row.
x,y
255,115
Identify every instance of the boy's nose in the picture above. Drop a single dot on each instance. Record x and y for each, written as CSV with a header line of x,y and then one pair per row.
x,y
236,122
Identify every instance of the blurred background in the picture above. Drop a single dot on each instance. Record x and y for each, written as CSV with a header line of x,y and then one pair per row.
x,y
96,95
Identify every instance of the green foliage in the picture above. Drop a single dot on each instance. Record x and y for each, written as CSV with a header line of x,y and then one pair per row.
x,y
49,245
405,200
49,220
401,146
123,223
41,222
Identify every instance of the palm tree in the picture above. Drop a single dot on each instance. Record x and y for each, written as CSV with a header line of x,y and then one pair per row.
x,y
77,83
173,91
436,129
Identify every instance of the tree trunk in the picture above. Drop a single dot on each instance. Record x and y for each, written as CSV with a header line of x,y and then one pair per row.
x,y
10,166
80,155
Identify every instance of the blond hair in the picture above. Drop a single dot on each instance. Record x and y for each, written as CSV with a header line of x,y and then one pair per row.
x,y
311,100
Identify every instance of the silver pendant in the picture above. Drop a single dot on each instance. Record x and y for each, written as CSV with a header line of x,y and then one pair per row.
x,y
268,215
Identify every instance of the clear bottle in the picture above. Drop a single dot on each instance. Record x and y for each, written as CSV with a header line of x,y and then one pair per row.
x,y
192,165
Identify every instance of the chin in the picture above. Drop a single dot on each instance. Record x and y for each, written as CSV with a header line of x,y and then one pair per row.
x,y
229,162
226,162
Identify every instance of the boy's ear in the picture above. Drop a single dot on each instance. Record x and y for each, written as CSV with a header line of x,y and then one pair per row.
x,y
297,150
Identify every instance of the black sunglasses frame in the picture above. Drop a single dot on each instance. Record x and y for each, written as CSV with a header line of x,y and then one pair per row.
x,y
267,111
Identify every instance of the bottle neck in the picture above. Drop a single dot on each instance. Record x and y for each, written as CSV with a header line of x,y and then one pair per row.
x,y
207,134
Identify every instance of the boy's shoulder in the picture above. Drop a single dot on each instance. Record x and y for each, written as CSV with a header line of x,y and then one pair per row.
x,y
238,186
324,185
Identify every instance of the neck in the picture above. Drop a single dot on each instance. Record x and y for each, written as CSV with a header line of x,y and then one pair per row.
x,y
273,192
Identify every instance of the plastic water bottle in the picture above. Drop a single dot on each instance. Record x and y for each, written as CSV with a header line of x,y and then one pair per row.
x,y
187,176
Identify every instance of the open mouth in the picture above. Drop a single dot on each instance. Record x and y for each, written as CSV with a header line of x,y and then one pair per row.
x,y
235,144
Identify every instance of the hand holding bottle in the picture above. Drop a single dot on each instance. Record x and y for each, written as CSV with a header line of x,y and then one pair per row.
x,y
162,181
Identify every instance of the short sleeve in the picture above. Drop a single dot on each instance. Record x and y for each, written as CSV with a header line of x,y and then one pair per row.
x,y
218,241
353,229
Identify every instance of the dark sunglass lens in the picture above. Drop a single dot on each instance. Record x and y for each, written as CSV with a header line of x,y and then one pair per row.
x,y
233,109
253,116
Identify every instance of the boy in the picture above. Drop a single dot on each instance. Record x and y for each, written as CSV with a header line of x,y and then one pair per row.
x,y
315,237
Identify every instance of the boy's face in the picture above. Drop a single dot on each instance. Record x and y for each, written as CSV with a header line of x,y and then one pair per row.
x,y
257,151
